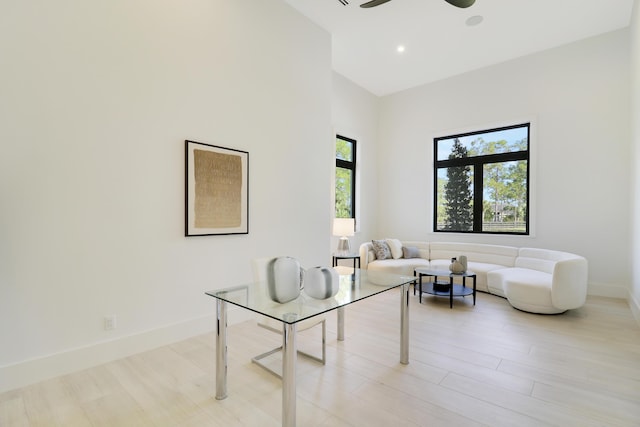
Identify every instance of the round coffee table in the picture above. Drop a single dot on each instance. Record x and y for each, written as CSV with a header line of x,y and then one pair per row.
x,y
445,287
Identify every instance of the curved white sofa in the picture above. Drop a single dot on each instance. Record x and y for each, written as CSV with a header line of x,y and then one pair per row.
x,y
533,280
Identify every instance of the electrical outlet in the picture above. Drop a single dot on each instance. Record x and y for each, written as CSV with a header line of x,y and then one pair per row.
x,y
109,322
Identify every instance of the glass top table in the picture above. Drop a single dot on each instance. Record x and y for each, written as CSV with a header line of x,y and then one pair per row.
x,y
355,285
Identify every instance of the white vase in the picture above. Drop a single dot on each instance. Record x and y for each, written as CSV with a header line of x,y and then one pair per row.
x,y
463,260
455,267
321,282
284,279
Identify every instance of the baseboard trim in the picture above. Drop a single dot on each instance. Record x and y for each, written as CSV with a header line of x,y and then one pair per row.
x,y
607,290
42,368
613,291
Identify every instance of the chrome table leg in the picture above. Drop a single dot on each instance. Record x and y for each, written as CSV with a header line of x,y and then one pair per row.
x,y
289,360
221,349
340,323
404,324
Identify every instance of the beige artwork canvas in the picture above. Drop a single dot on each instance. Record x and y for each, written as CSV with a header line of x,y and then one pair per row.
x,y
218,180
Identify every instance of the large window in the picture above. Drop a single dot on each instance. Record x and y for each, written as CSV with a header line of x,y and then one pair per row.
x,y
345,177
482,181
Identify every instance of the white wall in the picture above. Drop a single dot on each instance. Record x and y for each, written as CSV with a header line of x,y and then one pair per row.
x,y
355,115
635,158
578,97
96,101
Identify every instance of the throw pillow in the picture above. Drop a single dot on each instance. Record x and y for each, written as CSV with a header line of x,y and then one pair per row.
x,y
381,248
396,247
410,252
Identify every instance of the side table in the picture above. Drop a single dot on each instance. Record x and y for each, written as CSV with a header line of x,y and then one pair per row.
x,y
354,257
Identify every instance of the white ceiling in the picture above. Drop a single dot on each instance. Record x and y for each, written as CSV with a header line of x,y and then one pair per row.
x,y
438,42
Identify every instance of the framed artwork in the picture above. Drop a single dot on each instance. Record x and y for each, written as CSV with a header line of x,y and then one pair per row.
x,y
216,190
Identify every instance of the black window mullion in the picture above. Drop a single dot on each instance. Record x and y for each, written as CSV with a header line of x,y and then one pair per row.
x,y
344,164
493,158
478,185
353,181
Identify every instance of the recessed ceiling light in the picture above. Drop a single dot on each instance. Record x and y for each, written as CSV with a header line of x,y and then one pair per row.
x,y
400,48
474,20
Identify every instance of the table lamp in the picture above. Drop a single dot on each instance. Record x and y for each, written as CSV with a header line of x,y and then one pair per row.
x,y
343,227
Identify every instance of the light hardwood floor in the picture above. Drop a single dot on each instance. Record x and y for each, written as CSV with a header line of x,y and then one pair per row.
x,y
488,365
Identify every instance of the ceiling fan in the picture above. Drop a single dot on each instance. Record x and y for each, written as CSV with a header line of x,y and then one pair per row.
x,y
456,3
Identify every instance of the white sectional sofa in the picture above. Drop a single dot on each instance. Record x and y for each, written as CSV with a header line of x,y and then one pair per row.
x,y
533,280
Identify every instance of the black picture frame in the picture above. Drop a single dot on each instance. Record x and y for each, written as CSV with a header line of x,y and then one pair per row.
x,y
216,190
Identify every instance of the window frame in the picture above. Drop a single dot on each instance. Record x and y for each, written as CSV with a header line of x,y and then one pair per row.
x,y
477,164
350,165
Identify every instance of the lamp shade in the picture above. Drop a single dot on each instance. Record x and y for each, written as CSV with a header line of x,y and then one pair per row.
x,y
343,227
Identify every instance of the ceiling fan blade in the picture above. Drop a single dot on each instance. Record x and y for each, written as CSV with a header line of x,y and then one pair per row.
x,y
374,3
461,3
